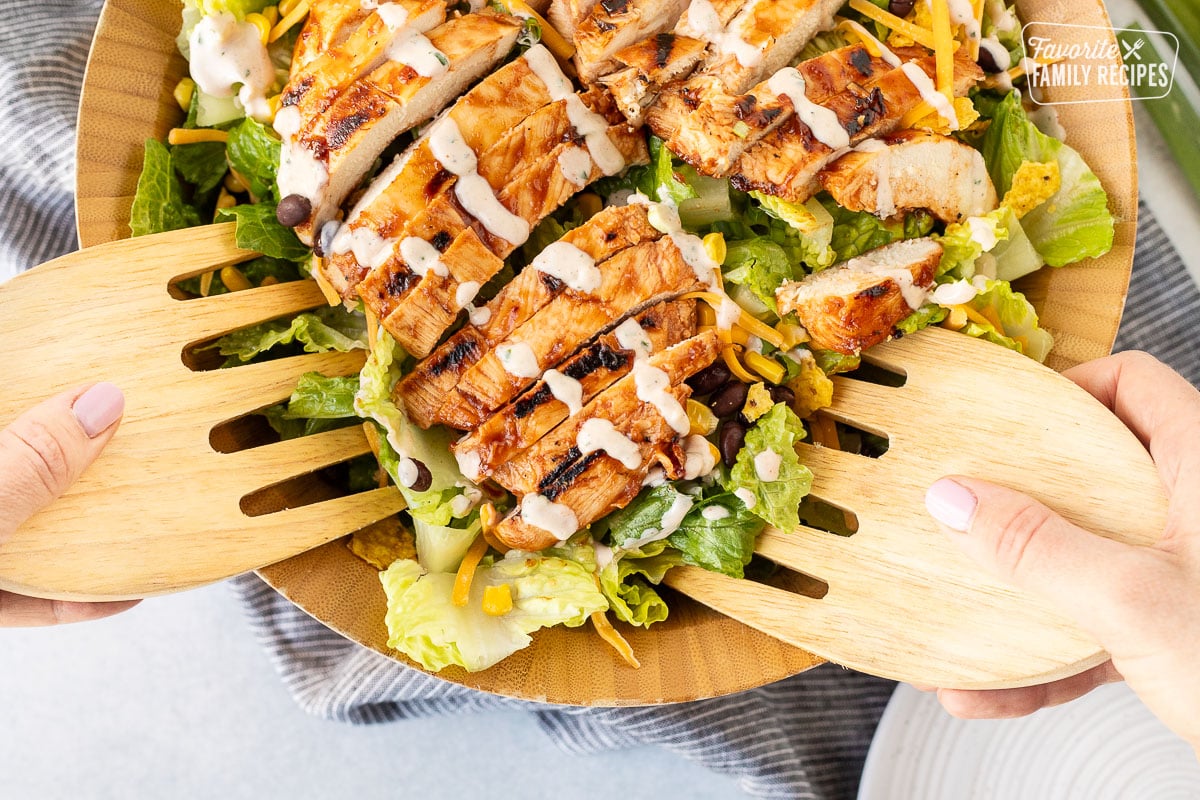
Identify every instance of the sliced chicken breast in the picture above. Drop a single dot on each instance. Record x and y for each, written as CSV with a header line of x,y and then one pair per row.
x,y
612,25
565,15
912,169
327,25
857,304
580,378
647,67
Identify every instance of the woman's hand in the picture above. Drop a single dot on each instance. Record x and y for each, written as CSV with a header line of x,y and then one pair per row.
x,y
42,453
1141,603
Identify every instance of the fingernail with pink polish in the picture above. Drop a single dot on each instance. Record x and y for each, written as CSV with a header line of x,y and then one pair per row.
x,y
951,504
98,408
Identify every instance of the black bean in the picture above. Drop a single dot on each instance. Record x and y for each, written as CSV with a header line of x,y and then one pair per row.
x,y
709,379
729,399
901,8
424,477
730,438
987,62
782,394
293,210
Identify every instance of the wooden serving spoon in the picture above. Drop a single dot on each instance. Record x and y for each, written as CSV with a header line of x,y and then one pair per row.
x,y
902,601
163,509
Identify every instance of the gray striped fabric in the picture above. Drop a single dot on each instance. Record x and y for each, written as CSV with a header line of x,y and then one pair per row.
x,y
805,737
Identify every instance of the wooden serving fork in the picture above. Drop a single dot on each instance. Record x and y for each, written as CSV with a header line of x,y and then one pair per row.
x,y
898,599
162,509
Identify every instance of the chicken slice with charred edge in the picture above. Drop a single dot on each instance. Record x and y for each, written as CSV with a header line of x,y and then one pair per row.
x,y
612,25
384,33
912,169
628,282
723,127
565,15
785,163
639,433
328,24
484,115
857,304
648,66
576,381
424,389
325,165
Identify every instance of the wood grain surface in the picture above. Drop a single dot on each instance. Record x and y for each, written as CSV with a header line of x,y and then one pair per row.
x,y
696,653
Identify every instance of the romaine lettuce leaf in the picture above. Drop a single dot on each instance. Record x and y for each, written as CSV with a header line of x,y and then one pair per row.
x,y
923,317
158,203
254,154
628,583
317,404
1016,315
856,232
812,223
773,438
760,265
1075,223
424,625
258,229
722,544
201,164
440,548
963,242
319,331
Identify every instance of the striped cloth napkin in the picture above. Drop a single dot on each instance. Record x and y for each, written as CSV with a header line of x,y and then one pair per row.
x,y
804,737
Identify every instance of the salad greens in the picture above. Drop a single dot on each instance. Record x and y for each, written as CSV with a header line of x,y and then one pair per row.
x,y
1054,212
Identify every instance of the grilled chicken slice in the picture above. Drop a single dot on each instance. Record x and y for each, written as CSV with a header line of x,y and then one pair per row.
x,y
418,318
325,161
649,66
724,126
592,484
424,390
587,373
313,87
613,25
565,15
785,163
401,192
857,304
328,24
629,281
912,169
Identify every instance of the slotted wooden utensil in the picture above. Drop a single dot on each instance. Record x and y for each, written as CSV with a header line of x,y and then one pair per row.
x,y
162,509
902,601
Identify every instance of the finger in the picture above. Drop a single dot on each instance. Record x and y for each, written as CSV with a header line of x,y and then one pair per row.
x,y
1157,404
19,611
1008,703
1024,543
48,447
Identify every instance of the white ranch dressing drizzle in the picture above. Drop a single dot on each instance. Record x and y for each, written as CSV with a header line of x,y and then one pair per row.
x,y
591,126
600,434
299,171
656,476
930,94
464,297
652,385
415,50
448,146
604,555
393,15
632,336
575,164
728,313
766,465
697,457
565,390
998,52
746,496
885,201
681,504
822,121
954,293
518,360
555,518
961,13
914,295
469,464
570,265
702,22
1003,19
983,233
715,512
422,257
225,52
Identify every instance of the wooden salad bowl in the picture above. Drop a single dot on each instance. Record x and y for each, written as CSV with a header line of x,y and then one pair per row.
x,y
696,653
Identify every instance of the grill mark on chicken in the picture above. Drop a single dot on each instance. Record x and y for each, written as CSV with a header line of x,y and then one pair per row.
x,y
567,472
457,355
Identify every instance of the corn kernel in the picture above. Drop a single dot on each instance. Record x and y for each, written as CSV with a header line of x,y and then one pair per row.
x,y
262,23
701,418
184,90
225,200
234,183
792,335
272,14
956,319
270,280
714,245
206,283
769,368
497,600
234,279
705,315
274,103
589,204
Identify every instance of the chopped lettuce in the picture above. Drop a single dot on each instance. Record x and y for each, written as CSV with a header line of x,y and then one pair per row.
x,y
254,154
813,225
759,264
1075,223
1018,320
158,203
723,544
201,164
770,447
923,317
670,185
318,331
856,232
258,229
317,404
423,624
628,582
440,548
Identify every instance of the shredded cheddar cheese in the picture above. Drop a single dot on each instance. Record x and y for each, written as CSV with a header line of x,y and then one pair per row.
x,y
892,22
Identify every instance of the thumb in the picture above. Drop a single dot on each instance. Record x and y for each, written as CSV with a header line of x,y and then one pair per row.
x,y
48,447
1025,544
